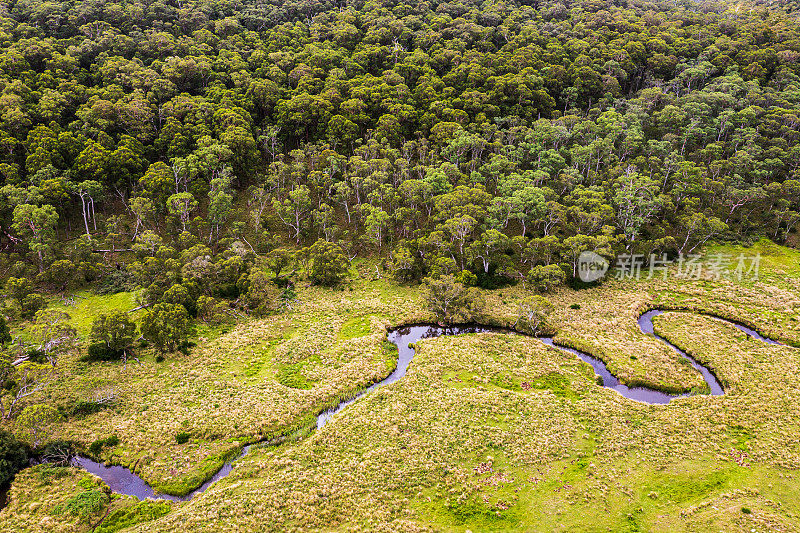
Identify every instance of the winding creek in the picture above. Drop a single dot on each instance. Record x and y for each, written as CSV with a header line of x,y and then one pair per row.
x,y
123,481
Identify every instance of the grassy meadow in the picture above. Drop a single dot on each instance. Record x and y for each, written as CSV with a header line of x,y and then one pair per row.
x,y
486,432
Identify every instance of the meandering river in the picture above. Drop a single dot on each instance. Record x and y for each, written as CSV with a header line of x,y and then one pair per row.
x,y
123,481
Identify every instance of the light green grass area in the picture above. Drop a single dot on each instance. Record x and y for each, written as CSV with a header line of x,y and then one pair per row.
x,y
83,307
486,432
358,326
776,262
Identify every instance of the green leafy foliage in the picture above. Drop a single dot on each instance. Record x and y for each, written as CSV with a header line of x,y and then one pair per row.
x,y
168,326
261,295
111,335
451,302
99,445
13,456
135,514
328,263
5,333
84,504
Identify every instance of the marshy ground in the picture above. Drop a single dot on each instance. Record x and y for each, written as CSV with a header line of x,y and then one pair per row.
x,y
485,432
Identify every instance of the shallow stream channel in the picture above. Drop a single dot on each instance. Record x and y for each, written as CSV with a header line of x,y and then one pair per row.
x,y
123,481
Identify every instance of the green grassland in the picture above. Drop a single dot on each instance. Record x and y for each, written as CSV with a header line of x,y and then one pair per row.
x,y
457,444
83,307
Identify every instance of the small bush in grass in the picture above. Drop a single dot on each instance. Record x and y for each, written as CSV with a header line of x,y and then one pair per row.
x,y
168,326
101,352
31,304
260,294
13,456
451,301
141,512
545,278
329,264
116,281
97,446
5,333
85,408
84,504
112,334
48,471
58,452
36,356
746,510
182,437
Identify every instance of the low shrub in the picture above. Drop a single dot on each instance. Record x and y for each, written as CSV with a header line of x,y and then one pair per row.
x,y
84,408
49,471
100,352
84,504
57,452
141,512
36,356
13,456
579,285
97,446
116,281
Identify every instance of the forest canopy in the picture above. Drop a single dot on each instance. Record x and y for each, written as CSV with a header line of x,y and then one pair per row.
x,y
445,137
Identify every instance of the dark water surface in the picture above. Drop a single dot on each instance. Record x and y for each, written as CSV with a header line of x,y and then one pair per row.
x,y
123,481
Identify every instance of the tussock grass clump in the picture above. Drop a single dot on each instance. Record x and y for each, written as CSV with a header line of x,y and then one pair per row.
x,y
84,504
97,446
135,514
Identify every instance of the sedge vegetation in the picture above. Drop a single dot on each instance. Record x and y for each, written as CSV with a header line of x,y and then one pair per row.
x,y
485,432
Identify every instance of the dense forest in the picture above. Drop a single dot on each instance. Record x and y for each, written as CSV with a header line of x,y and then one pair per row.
x,y
200,149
